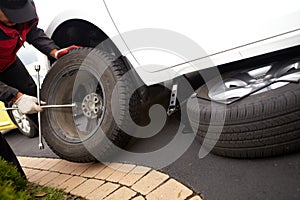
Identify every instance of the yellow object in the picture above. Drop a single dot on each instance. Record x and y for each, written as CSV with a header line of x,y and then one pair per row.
x,y
5,121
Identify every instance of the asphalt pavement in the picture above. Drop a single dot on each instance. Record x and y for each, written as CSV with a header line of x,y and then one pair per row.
x,y
213,176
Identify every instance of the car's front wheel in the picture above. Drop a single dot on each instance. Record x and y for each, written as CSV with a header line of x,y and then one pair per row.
x,y
87,78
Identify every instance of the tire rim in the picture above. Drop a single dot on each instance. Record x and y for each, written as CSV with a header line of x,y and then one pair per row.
x,y
21,121
84,88
255,81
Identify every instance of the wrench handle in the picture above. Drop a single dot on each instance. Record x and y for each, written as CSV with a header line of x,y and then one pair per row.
x,y
37,69
46,106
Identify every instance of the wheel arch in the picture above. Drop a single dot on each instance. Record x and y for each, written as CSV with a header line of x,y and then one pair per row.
x,y
83,33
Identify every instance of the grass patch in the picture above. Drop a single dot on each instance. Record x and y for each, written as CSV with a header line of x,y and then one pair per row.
x,y
45,193
14,187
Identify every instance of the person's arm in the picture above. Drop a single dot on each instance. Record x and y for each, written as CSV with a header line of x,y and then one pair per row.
x,y
42,42
26,104
7,93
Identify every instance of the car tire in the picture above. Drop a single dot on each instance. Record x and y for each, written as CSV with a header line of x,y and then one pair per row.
x,y
24,124
78,134
263,124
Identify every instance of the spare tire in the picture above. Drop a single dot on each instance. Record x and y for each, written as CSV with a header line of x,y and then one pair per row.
x,y
264,123
88,131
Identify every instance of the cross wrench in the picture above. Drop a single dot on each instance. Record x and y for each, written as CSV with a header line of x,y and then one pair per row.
x,y
37,69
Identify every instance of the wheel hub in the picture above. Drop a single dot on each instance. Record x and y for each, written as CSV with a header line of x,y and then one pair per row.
x,y
255,81
92,105
260,82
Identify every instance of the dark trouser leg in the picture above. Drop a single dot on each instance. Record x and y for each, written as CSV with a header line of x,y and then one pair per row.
x,y
7,154
18,77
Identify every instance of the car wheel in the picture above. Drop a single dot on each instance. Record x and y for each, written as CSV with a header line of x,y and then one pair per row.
x,y
24,124
265,122
88,131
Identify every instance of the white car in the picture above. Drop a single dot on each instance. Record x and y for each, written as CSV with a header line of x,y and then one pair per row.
x,y
234,62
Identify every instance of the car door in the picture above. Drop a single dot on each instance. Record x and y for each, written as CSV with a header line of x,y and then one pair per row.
x,y
219,27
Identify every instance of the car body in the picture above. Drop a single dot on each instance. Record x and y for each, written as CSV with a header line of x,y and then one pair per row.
x,y
225,31
169,42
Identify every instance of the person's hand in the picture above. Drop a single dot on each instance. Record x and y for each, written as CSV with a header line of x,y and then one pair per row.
x,y
28,104
64,51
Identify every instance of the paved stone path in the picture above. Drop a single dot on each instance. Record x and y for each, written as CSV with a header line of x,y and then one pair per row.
x,y
109,181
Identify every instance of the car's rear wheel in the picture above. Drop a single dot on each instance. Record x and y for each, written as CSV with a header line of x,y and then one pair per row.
x,y
87,132
264,123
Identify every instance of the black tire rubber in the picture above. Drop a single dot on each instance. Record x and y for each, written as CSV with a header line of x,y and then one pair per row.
x,y
33,132
261,125
53,128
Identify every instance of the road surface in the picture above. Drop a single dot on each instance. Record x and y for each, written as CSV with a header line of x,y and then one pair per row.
x,y
213,176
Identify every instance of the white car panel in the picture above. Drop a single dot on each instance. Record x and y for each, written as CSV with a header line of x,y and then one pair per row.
x,y
214,25
53,13
226,31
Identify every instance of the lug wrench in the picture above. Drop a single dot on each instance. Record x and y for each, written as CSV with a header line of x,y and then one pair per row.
x,y
37,69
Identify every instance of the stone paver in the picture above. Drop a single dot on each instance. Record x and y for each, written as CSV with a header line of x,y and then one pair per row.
x,y
138,198
150,182
87,187
120,173
60,165
49,177
29,162
109,170
24,160
103,191
72,183
114,181
80,169
38,176
60,179
37,163
30,172
170,190
123,193
48,163
196,198
136,174
93,170
70,167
